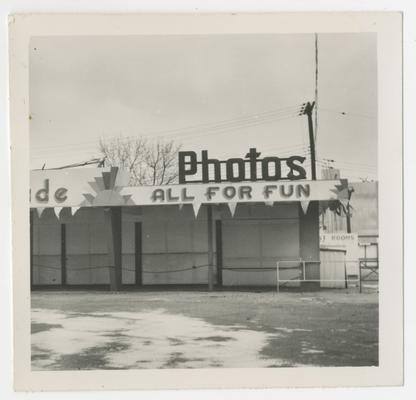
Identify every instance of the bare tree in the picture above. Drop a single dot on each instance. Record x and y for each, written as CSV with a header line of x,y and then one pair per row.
x,y
161,163
149,163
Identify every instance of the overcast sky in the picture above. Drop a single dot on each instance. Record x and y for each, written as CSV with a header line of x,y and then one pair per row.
x,y
220,93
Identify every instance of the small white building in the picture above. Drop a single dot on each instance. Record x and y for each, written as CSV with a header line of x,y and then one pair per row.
x,y
88,228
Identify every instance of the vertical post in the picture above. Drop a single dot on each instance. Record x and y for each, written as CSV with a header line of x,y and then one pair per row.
x,y
345,275
63,255
116,226
218,238
309,245
304,269
277,277
31,247
210,248
138,254
359,270
348,221
350,192
308,112
365,254
113,217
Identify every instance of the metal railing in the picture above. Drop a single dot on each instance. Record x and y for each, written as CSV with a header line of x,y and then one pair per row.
x,y
299,265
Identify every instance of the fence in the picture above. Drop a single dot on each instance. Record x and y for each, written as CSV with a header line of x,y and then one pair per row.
x,y
333,273
369,265
326,270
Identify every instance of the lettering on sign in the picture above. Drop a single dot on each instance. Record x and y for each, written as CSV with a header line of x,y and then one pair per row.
x,y
226,193
42,195
338,237
235,168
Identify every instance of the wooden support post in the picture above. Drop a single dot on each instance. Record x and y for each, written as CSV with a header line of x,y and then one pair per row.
x,y
210,249
113,218
63,255
277,277
138,254
348,219
116,225
345,275
218,243
303,270
309,245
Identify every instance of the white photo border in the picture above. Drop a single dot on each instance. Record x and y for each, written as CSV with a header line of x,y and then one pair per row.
x,y
388,26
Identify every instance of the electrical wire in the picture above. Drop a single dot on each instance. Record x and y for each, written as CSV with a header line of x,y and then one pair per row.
x,y
348,114
184,131
214,131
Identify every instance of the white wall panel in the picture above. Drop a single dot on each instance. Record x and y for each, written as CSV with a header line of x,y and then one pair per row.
x,y
154,237
179,236
127,237
46,270
332,269
251,245
46,253
280,239
97,238
49,239
77,239
128,269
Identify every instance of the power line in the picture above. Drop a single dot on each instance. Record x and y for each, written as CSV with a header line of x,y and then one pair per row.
x,y
348,113
350,168
226,129
349,163
359,164
282,150
189,130
267,150
59,155
197,136
249,118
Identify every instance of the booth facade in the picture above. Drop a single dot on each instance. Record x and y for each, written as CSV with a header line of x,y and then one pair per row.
x,y
88,228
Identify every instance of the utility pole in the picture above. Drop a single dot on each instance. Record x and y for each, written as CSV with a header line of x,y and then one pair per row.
x,y
308,112
348,210
316,86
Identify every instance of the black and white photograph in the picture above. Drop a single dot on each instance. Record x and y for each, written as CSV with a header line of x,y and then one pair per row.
x,y
196,176
204,201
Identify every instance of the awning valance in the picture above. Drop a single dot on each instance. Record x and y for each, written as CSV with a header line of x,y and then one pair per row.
x,y
93,187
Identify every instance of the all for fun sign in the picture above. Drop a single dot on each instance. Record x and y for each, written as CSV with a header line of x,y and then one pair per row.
x,y
92,187
303,191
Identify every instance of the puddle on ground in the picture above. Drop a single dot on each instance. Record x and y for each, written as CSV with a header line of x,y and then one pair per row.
x,y
312,351
291,330
150,339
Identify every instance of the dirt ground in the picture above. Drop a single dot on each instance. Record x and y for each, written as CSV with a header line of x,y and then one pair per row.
x,y
194,329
